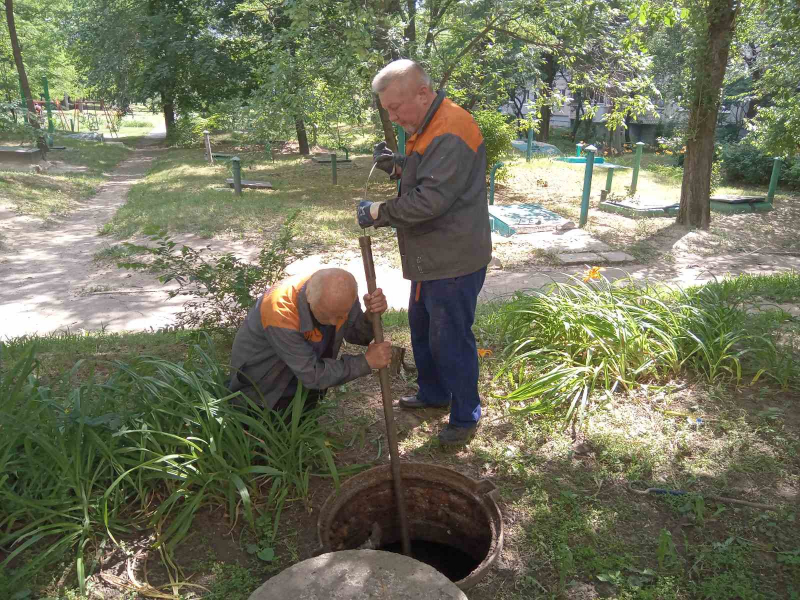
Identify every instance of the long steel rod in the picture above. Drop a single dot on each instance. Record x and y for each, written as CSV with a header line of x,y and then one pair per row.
x,y
383,375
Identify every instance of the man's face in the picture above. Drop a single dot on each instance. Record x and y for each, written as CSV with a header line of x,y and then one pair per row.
x,y
406,103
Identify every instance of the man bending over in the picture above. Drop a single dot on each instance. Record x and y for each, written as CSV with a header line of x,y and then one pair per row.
x,y
294,333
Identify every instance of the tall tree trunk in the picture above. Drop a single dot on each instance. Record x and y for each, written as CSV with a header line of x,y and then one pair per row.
x,y
578,113
23,78
750,57
615,139
695,206
169,113
410,32
388,130
549,72
302,137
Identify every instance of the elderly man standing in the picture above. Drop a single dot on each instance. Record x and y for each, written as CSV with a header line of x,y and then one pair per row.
x,y
442,222
294,333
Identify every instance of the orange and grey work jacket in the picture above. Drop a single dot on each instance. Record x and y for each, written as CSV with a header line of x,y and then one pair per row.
x,y
441,212
275,345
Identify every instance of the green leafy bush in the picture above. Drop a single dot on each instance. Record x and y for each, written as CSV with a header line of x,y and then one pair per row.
x,y
221,288
144,447
746,163
497,136
574,339
15,128
187,132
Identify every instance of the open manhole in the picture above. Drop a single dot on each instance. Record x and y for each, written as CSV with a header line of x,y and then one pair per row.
x,y
454,522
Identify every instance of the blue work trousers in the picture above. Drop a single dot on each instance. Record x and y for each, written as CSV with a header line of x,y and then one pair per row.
x,y
440,315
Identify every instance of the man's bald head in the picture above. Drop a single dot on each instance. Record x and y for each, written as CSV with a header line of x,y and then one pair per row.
x,y
331,293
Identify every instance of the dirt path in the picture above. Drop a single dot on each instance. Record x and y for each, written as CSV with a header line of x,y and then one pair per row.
x,y
51,282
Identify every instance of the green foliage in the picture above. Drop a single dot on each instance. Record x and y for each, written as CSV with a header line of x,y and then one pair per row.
x,y
87,459
187,132
497,136
221,288
774,32
571,341
667,554
747,163
15,128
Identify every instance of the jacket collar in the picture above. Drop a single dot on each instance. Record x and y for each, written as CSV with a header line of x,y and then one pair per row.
x,y
437,102
304,310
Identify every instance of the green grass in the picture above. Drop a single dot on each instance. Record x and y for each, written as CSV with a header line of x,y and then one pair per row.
x,y
49,195
572,525
182,193
573,340
83,462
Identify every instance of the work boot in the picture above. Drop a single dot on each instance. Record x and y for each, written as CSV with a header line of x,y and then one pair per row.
x,y
414,402
453,436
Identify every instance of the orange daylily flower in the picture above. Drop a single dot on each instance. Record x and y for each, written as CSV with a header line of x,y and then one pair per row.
x,y
593,273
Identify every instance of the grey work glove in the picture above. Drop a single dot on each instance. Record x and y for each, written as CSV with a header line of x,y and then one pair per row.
x,y
386,159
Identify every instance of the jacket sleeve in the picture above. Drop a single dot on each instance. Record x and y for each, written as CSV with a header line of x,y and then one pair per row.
x,y
314,373
442,176
361,331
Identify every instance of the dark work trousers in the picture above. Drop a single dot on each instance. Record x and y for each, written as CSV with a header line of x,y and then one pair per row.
x,y
441,317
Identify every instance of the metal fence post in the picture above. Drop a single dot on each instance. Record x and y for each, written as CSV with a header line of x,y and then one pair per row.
x,y
773,181
51,128
236,165
333,167
637,160
587,184
609,178
495,166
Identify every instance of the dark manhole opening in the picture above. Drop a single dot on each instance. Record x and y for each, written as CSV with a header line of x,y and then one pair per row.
x,y
454,523
453,563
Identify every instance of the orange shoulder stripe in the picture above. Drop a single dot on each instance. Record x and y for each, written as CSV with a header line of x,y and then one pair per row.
x,y
279,304
452,119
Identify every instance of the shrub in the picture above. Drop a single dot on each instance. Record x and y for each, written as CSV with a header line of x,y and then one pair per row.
x,y
145,447
221,288
15,128
573,339
187,132
497,136
746,163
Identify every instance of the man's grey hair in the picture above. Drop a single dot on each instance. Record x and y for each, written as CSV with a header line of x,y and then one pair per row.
x,y
331,285
403,69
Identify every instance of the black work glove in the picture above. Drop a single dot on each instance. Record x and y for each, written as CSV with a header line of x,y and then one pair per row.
x,y
386,159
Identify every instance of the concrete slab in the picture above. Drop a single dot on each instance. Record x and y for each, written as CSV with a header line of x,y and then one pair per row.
x,y
250,184
509,219
20,155
359,575
536,147
640,210
580,258
573,240
617,257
